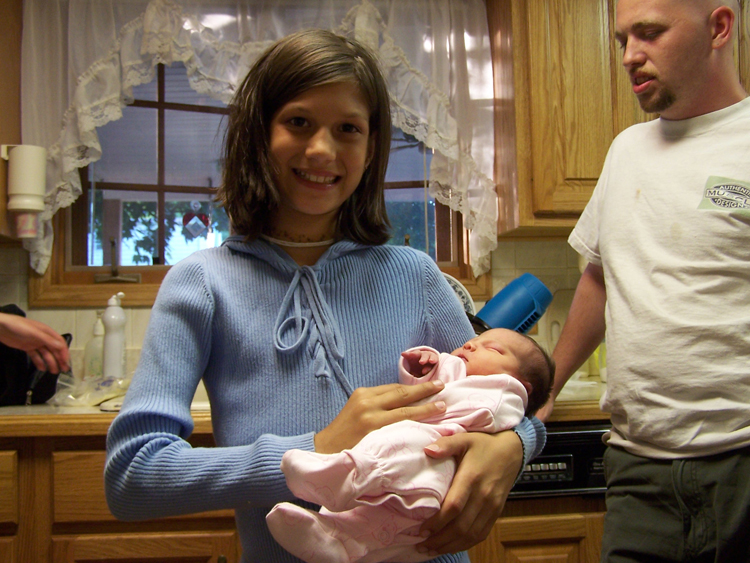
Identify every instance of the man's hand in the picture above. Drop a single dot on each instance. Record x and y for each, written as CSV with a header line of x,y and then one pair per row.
x,y
488,465
545,412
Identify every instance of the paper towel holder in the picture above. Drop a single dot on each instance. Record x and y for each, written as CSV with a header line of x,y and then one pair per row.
x,y
27,184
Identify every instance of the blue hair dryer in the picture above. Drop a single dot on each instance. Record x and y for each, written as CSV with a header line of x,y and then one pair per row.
x,y
518,306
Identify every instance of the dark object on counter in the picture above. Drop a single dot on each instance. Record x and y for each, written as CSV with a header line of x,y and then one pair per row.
x,y
478,324
20,382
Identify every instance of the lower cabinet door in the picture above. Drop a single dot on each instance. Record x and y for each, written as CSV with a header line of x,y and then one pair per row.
x,y
8,549
569,538
164,547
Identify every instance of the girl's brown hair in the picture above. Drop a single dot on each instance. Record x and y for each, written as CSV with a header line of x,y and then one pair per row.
x,y
288,68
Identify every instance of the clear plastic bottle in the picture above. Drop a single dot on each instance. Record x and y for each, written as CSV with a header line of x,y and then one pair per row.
x,y
94,352
114,319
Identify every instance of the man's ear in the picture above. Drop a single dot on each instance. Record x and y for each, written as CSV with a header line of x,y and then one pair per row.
x,y
722,24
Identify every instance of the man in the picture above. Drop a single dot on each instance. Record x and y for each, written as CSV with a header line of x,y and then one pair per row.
x,y
667,237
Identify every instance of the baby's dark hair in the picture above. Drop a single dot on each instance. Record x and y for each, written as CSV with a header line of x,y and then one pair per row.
x,y
540,372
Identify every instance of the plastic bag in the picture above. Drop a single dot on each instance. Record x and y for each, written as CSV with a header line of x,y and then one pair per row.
x,y
90,392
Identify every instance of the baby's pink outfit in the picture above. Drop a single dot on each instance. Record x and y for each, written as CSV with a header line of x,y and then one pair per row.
x,y
375,497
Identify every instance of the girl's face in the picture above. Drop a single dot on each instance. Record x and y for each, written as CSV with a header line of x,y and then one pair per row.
x,y
320,146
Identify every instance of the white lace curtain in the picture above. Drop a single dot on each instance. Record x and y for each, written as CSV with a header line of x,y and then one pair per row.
x,y
82,58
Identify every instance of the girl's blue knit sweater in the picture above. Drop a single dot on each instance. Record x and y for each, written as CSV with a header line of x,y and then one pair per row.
x,y
280,348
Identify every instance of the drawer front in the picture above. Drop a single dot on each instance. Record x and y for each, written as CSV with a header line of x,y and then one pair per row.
x,y
8,487
8,550
79,489
190,547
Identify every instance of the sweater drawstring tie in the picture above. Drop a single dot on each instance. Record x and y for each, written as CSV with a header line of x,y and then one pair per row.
x,y
328,351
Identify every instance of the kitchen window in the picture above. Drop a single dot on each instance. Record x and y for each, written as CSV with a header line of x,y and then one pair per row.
x,y
152,205
148,202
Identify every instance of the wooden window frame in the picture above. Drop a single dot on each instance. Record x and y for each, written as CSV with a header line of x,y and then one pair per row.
x,y
67,286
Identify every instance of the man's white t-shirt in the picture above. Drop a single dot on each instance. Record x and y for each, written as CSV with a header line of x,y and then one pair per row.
x,y
669,222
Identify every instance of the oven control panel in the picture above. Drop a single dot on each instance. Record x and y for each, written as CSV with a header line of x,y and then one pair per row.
x,y
549,468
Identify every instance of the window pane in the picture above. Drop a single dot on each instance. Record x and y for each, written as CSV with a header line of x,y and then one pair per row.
x,y
192,148
194,222
127,217
411,215
408,160
177,89
128,148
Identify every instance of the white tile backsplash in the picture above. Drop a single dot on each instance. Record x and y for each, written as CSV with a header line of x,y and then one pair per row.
x,y
139,318
544,254
553,261
61,320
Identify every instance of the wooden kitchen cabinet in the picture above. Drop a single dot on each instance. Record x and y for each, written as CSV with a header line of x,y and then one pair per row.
x,y
561,97
161,547
53,509
570,97
554,530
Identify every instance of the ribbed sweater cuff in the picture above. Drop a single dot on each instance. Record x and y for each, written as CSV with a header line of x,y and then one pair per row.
x,y
533,437
273,450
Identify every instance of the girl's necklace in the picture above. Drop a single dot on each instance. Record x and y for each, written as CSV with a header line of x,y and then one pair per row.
x,y
292,244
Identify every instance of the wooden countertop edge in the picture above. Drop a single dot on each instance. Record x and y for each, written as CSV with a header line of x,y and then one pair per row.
x,y
84,424
577,411
97,424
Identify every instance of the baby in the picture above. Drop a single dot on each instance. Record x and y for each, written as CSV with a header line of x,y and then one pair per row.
x,y
375,496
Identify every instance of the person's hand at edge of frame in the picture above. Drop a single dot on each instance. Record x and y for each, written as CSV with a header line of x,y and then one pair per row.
x,y
46,348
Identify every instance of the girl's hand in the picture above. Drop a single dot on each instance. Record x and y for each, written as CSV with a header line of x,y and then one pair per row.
x,y
370,408
488,465
419,362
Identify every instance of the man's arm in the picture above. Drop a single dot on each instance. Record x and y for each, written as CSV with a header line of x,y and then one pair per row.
x,y
582,333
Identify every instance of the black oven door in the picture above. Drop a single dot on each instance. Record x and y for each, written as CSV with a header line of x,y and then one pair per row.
x,y
570,464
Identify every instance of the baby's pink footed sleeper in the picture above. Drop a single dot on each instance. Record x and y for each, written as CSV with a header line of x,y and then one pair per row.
x,y
375,496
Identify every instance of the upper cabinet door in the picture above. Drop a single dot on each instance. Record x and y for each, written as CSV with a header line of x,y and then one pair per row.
x,y
571,97
574,96
570,100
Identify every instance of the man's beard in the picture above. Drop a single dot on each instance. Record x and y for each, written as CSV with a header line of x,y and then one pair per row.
x,y
658,103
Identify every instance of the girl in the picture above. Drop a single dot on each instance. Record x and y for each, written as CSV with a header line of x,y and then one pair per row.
x,y
296,323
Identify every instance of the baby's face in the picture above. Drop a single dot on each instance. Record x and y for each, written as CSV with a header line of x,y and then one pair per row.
x,y
495,351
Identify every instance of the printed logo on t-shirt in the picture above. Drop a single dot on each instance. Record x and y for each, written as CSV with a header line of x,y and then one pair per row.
x,y
725,193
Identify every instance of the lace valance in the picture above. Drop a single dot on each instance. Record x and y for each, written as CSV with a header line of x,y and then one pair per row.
x,y
82,58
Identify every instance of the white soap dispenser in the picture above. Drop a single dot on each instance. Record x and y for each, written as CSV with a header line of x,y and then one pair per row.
x,y
114,338
93,354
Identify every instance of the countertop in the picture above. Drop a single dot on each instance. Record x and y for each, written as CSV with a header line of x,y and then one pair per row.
x,y
47,420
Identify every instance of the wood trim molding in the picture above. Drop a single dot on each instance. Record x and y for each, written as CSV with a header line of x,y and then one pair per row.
x,y
11,14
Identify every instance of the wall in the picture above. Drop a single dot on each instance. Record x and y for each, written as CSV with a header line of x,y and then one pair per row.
x,y
552,261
